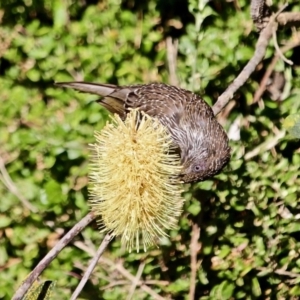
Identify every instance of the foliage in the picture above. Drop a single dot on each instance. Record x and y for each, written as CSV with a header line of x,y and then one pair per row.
x,y
248,215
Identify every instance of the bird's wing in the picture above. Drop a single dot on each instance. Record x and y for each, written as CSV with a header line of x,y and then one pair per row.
x,y
156,99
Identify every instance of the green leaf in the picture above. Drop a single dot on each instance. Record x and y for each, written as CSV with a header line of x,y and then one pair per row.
x,y
256,290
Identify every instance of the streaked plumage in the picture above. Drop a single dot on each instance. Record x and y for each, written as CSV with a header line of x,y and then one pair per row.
x,y
202,142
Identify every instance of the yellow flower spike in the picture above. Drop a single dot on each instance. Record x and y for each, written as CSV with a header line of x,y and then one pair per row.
x,y
135,186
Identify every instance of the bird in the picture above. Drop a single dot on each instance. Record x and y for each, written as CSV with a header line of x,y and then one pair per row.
x,y
201,141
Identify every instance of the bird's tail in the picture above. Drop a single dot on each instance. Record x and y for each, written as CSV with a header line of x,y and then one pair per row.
x,y
112,97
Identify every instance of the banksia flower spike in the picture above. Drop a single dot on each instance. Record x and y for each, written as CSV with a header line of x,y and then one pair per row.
x,y
135,185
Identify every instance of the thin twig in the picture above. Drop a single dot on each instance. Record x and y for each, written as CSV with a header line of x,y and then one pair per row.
x,y
129,276
136,280
7,181
157,282
115,283
127,282
289,19
107,239
195,248
83,246
287,273
139,30
172,48
223,116
282,272
121,270
51,255
278,49
265,146
264,81
260,51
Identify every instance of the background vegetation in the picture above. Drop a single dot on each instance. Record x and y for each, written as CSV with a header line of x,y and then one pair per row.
x,y
247,217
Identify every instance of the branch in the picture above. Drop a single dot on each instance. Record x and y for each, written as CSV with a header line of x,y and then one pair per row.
x,y
7,181
289,19
126,282
172,49
294,43
122,271
283,19
259,11
265,146
107,239
51,255
136,280
195,248
282,272
279,51
132,278
260,50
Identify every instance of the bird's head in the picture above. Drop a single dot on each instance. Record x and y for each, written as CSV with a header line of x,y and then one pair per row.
x,y
203,164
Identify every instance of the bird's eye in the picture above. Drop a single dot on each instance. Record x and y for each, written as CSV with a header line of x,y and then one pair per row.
x,y
197,168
